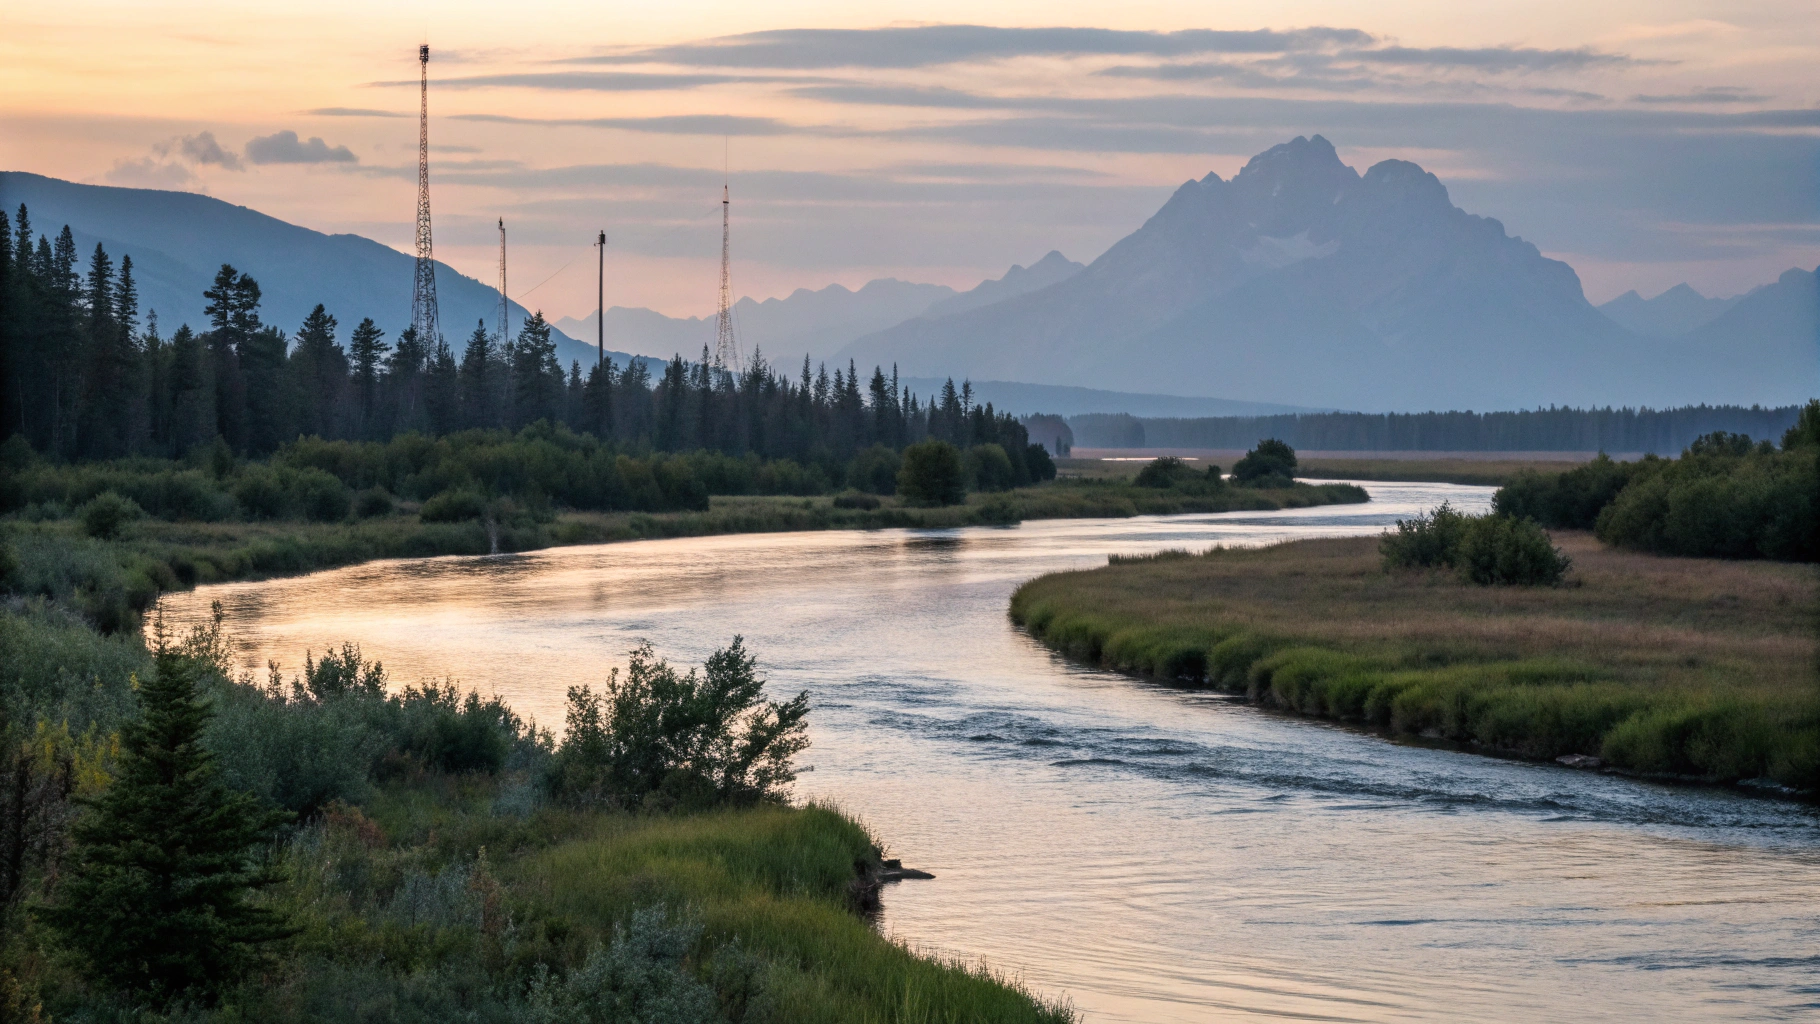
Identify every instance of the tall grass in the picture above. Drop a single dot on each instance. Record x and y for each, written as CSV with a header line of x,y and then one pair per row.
x,y
1677,666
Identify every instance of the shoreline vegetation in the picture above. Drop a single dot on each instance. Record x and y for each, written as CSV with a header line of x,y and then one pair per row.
x,y
1671,634
1659,666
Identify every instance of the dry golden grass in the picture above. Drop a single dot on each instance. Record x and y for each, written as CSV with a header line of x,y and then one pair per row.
x,y
1320,626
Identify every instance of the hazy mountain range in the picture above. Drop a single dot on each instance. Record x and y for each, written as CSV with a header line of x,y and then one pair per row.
x,y
1299,283
1301,280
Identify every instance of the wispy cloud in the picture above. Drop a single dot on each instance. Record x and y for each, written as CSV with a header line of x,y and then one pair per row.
x,y
1711,94
675,124
357,112
933,45
200,148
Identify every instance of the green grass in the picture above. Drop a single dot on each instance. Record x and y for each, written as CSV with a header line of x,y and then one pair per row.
x,y
770,882
1490,472
1688,667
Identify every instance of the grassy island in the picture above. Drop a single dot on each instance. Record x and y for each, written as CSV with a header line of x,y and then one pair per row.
x,y
1680,666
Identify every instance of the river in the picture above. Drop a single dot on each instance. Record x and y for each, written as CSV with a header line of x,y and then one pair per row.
x,y
1153,852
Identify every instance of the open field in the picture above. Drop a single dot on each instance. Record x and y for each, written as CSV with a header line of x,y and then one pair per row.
x,y
1488,468
1693,667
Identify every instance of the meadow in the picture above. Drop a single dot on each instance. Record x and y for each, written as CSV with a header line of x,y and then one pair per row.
x,y
1690,667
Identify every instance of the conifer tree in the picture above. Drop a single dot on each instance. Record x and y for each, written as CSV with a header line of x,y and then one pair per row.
x,y
319,373
366,349
157,889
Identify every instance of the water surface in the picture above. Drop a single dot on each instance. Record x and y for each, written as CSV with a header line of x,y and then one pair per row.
x,y
1155,853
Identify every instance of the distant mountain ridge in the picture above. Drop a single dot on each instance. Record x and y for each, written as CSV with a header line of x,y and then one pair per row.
x,y
1676,312
1300,280
178,240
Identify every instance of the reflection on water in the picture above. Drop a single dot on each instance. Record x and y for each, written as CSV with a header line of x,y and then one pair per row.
x,y
1157,853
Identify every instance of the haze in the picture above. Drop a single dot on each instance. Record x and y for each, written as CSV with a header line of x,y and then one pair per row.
x,y
1645,144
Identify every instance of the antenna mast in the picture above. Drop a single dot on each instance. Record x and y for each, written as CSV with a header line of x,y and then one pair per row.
x,y
726,347
423,294
600,308
503,307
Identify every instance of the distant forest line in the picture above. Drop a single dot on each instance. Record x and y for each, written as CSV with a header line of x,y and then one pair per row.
x,y
83,376
1661,431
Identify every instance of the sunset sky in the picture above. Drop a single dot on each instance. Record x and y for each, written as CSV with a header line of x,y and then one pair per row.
x,y
1644,143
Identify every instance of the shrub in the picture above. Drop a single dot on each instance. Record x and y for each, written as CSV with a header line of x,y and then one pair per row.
x,y
373,502
1806,431
931,474
1429,541
1271,464
1759,505
1164,472
865,502
321,496
1570,500
989,468
642,975
874,469
694,739
261,494
1041,466
453,507
1500,550
106,515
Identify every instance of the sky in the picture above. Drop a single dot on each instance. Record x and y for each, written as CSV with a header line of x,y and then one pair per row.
x,y
1645,143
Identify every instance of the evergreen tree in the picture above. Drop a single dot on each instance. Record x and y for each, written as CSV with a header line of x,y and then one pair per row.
x,y
404,383
319,376
156,894
442,390
477,379
191,386
367,350
536,376
226,322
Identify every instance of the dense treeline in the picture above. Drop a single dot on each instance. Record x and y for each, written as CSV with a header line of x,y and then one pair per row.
x,y
1725,497
81,378
1659,431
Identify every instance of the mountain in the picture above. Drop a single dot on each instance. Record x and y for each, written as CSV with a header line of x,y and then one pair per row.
x,y
1051,269
1302,281
1782,319
1675,312
806,321
178,240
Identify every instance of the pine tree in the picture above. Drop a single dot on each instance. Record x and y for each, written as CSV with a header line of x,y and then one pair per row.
x,y
156,894
190,383
442,390
319,376
366,349
225,323
478,406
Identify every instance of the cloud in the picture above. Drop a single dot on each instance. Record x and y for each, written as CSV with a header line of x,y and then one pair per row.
x,y
357,112
589,81
1489,58
200,148
932,45
146,172
675,124
284,147
1711,94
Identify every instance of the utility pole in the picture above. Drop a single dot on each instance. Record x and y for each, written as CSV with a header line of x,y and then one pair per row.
x,y
726,347
503,304
600,302
423,294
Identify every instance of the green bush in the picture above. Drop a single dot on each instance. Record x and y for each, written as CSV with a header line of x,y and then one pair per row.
x,y
931,474
1271,464
373,502
1806,431
1570,500
1164,472
865,502
261,494
642,975
989,468
1041,466
1500,550
1429,541
106,515
322,497
453,507
1762,504
654,735
874,469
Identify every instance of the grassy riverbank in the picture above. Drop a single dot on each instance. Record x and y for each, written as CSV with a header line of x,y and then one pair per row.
x,y
1681,666
112,579
1488,471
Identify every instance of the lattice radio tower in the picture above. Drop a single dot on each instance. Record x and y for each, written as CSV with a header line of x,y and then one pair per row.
x,y
502,280
726,346
423,294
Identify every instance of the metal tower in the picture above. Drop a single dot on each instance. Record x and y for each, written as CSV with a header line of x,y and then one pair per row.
x,y
503,307
423,294
726,346
600,309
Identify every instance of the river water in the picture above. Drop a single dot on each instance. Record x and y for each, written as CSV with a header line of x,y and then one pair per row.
x,y
1152,852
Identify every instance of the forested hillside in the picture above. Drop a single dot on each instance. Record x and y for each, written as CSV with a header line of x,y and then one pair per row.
x,y
85,378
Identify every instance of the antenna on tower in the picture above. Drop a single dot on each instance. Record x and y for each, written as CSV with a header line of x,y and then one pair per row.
x,y
423,295
503,305
600,309
726,346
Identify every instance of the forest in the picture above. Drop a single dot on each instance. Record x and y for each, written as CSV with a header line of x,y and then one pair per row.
x,y
83,377
1658,431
